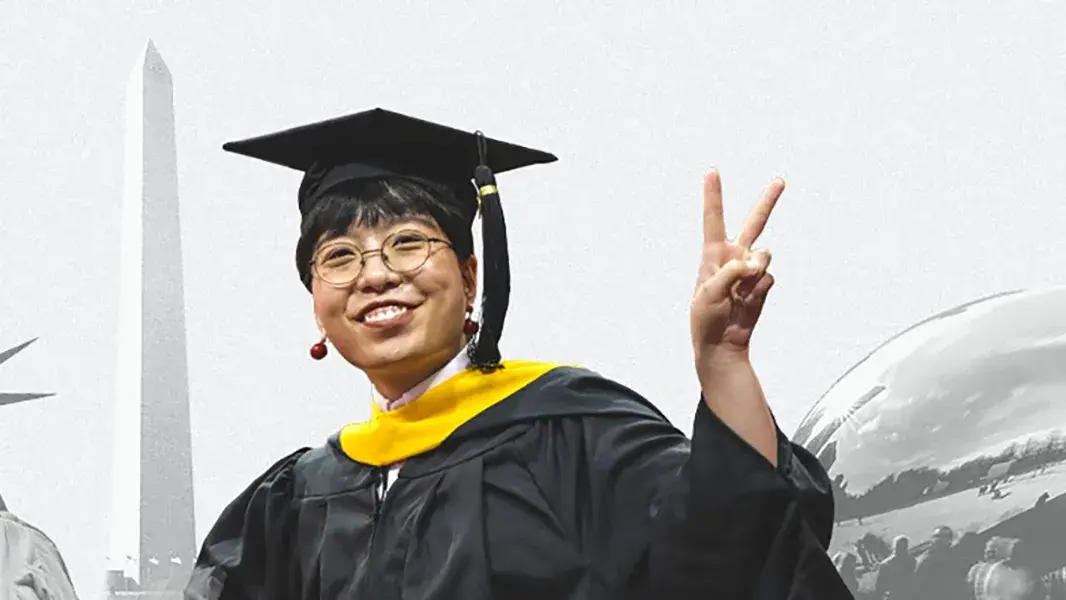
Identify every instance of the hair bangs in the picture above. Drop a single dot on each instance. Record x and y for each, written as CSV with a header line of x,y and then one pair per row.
x,y
377,203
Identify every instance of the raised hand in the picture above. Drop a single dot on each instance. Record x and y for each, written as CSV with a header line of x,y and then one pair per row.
x,y
733,280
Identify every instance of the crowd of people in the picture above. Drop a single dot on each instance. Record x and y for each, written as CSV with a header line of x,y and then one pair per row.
x,y
1003,568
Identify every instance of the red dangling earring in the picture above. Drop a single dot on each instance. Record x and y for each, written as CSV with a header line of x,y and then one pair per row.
x,y
319,350
470,327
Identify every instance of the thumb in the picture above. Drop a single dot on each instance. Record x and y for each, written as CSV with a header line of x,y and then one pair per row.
x,y
719,285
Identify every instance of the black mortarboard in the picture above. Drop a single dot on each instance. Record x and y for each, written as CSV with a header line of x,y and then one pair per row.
x,y
378,143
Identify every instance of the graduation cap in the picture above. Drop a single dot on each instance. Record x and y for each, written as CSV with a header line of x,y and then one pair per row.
x,y
377,143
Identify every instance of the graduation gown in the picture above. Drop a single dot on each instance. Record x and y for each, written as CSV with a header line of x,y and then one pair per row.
x,y
549,482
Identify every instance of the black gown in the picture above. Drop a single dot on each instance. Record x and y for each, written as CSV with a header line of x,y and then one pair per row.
x,y
571,488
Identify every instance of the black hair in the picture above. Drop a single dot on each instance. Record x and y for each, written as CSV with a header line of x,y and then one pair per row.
x,y
377,202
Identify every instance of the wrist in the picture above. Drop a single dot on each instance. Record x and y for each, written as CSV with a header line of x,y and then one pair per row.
x,y
712,361
724,376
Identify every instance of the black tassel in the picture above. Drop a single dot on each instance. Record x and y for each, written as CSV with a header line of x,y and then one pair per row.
x,y
495,297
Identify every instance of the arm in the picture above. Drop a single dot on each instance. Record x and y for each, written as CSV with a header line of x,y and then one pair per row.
x,y
245,555
740,527
710,518
733,393
751,515
784,504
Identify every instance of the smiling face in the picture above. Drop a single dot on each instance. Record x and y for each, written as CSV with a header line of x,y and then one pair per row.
x,y
396,327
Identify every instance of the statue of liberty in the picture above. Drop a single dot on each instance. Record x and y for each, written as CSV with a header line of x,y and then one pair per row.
x,y
31,567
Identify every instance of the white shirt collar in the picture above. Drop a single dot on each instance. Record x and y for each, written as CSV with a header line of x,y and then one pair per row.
x,y
454,367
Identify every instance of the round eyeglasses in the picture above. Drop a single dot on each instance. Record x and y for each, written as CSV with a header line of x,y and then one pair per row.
x,y
339,262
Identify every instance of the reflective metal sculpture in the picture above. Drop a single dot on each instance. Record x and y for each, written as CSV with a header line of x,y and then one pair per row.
x,y
947,450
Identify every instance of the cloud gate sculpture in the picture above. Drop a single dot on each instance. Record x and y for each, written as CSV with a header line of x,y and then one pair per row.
x,y
947,450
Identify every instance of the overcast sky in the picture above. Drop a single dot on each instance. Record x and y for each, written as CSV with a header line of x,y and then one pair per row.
x,y
922,143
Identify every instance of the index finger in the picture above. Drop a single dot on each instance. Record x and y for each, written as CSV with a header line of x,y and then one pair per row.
x,y
756,222
713,214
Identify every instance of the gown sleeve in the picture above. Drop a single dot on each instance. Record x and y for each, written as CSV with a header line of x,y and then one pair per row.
x,y
246,554
724,523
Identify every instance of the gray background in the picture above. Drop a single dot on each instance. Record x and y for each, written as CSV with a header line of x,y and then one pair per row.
x,y
923,146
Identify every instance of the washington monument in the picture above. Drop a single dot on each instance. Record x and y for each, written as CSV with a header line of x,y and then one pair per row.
x,y
152,543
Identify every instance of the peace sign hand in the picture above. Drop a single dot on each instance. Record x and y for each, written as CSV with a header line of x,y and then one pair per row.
x,y
733,281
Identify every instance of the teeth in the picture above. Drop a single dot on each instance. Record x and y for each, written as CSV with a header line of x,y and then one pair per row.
x,y
384,313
